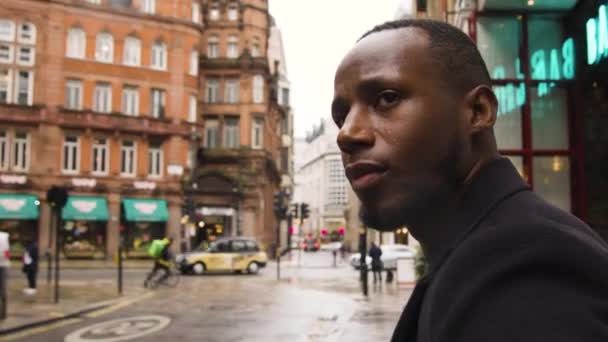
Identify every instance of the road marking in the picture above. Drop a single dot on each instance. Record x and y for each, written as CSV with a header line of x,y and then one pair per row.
x,y
120,305
121,329
39,330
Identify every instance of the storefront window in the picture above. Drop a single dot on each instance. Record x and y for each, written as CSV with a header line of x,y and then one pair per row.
x,y
498,41
508,122
549,119
140,236
84,239
20,232
551,54
552,180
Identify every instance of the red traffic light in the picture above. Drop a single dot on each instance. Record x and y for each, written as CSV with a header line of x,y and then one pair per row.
x,y
341,230
323,231
291,230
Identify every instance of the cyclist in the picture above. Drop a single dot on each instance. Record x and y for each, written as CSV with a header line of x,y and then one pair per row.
x,y
159,250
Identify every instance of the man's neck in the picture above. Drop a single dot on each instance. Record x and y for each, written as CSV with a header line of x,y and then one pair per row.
x,y
437,231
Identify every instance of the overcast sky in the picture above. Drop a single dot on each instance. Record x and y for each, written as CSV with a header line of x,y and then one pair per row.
x,y
316,35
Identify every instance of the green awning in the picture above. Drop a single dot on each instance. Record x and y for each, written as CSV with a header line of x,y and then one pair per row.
x,y
85,208
145,210
18,207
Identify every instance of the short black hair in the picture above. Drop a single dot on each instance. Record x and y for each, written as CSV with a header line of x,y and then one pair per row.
x,y
453,51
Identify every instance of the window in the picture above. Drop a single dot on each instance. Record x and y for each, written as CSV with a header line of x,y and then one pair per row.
x,y
193,70
192,109
26,55
196,12
5,85
258,89
231,93
212,90
255,47
3,151
157,103
149,6
159,56
231,132
6,53
127,158
130,100
155,160
233,12
21,152
104,48
214,12
7,30
257,134
284,98
71,160
212,130
238,246
27,34
24,87
76,43
213,47
233,47
100,157
73,94
132,53
102,100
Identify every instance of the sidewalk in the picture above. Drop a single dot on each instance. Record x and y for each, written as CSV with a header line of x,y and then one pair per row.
x,y
76,297
88,264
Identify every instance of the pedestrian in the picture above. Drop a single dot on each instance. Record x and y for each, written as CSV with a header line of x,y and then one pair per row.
x,y
415,109
376,254
30,267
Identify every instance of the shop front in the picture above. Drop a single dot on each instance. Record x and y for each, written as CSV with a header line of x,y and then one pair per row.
x,y
84,222
144,220
210,224
19,218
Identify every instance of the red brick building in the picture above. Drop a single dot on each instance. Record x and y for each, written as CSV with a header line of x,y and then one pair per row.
x,y
105,98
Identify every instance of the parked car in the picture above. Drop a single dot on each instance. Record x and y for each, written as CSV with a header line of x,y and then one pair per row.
x,y
311,245
390,254
5,254
227,255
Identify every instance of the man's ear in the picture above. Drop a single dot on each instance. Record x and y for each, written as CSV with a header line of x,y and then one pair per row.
x,y
482,105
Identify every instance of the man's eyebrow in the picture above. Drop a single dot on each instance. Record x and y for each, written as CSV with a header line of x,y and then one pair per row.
x,y
376,83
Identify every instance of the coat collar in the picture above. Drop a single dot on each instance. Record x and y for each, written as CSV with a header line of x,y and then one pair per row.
x,y
494,182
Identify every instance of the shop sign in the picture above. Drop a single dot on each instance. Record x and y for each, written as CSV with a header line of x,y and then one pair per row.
x,y
13,179
84,182
12,204
597,36
84,206
146,208
554,64
144,185
219,211
175,170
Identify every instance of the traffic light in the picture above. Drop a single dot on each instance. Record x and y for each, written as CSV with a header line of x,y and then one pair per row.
x,y
280,210
323,231
341,230
295,210
304,211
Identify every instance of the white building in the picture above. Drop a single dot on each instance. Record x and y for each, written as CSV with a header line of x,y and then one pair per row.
x,y
320,179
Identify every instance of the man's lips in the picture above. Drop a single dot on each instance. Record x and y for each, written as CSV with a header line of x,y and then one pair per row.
x,y
365,173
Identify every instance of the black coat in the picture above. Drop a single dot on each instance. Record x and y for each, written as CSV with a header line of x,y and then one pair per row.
x,y
517,269
32,250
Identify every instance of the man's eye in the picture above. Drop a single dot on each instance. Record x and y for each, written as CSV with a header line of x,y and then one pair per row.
x,y
387,98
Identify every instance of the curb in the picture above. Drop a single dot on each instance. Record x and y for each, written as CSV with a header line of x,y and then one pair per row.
x,y
41,322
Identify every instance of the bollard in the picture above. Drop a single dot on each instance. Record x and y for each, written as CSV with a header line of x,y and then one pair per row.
x,y
335,253
3,290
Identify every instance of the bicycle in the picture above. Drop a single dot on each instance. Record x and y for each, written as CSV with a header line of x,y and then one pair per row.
x,y
171,281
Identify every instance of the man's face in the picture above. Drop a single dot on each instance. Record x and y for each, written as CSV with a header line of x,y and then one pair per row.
x,y
401,131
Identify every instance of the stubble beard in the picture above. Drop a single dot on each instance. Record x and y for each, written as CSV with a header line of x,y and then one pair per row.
x,y
427,198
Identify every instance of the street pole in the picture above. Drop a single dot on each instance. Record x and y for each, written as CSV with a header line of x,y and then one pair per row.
x,y
277,249
57,246
300,242
362,262
120,264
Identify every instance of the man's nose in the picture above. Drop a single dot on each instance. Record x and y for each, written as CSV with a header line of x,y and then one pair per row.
x,y
357,131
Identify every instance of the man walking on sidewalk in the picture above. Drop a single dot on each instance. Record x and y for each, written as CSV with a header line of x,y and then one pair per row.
x,y
30,266
415,107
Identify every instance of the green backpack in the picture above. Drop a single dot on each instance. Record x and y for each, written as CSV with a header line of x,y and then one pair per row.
x,y
156,248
